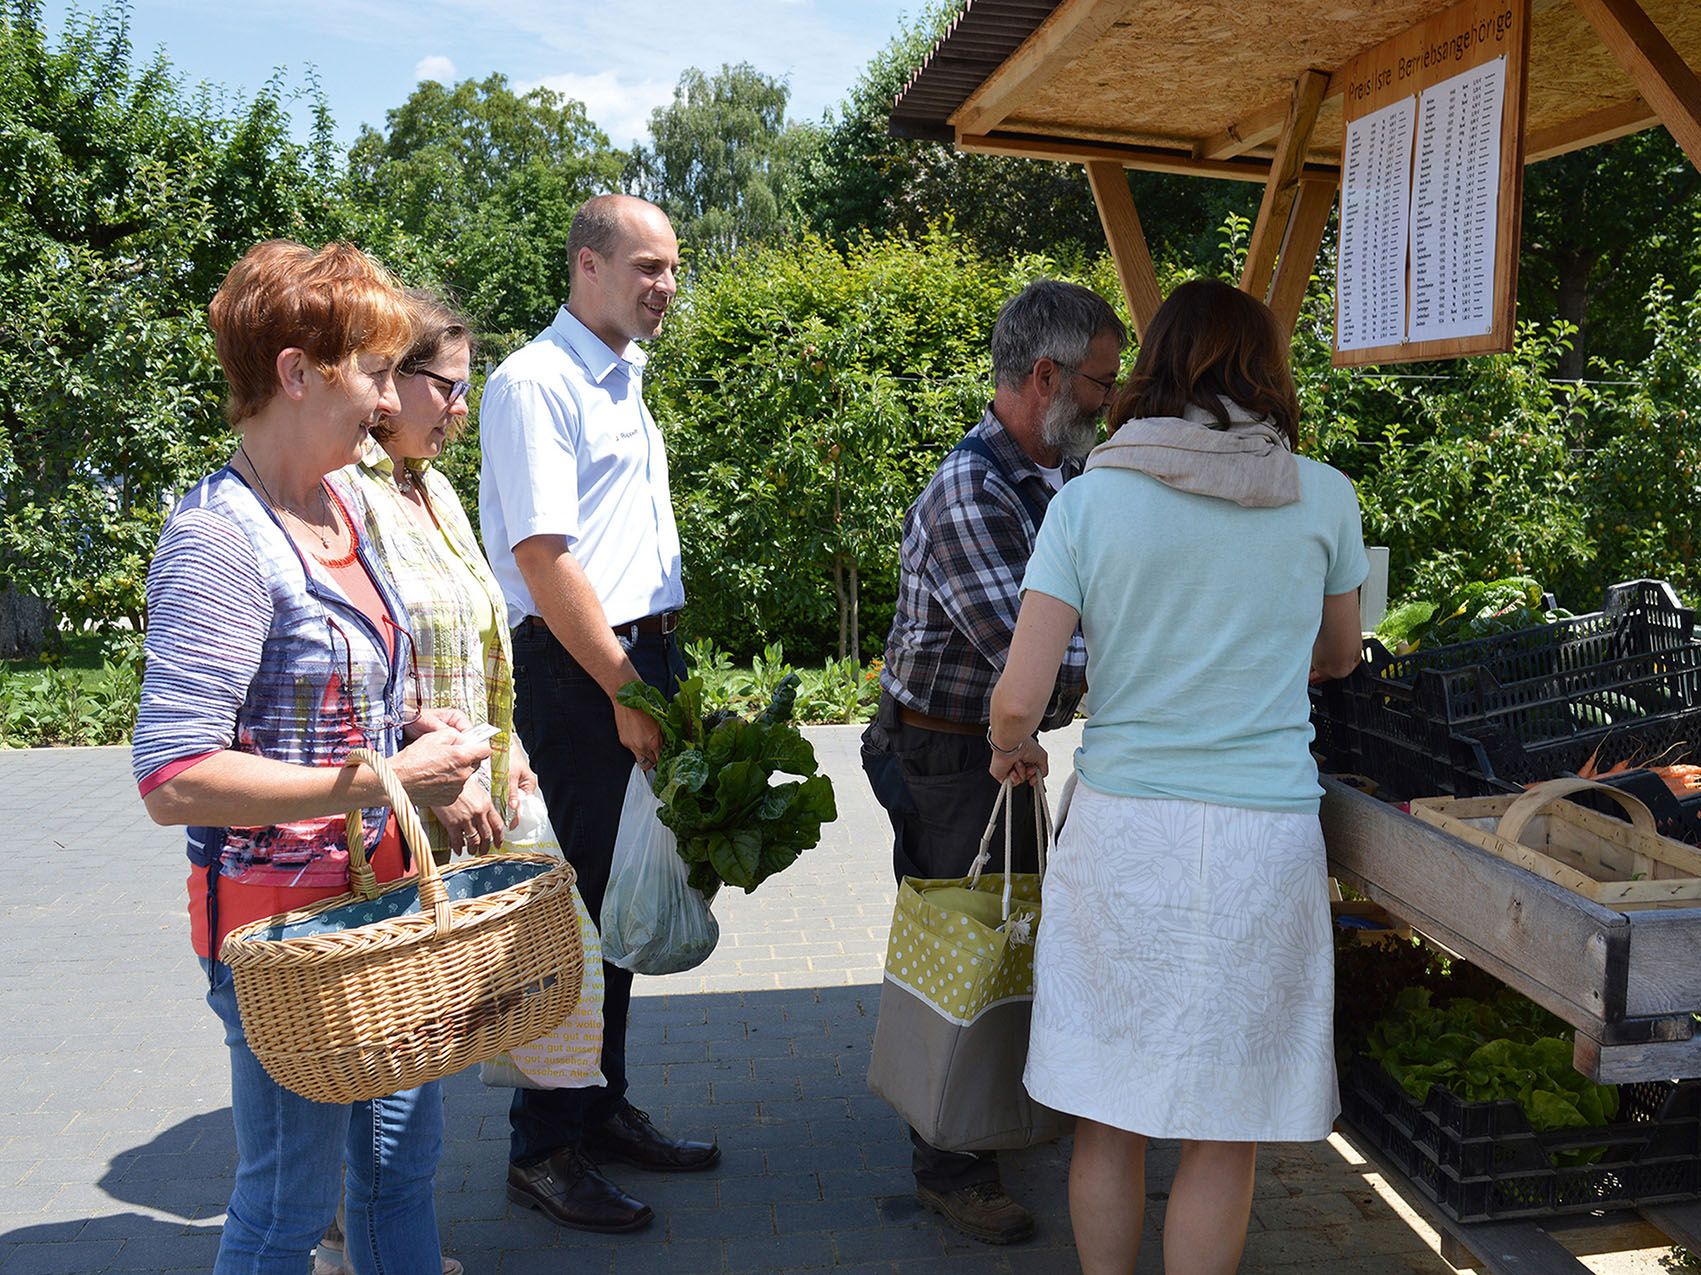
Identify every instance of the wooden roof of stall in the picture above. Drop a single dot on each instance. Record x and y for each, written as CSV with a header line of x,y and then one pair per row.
x,y
1203,86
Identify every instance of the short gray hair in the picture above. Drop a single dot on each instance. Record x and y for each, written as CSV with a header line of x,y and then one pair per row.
x,y
1049,319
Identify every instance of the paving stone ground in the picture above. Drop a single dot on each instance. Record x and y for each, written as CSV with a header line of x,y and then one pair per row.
x,y
115,1139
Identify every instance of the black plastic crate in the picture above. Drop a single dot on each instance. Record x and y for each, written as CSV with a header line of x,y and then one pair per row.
x,y
1501,763
1481,1160
1463,681
1415,723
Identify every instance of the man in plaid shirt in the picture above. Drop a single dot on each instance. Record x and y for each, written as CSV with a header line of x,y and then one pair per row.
x,y
1056,351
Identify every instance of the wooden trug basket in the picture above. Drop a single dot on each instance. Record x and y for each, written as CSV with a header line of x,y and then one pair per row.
x,y
346,1014
1618,865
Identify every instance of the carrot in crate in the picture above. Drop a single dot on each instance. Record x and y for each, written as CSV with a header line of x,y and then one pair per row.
x,y
1683,780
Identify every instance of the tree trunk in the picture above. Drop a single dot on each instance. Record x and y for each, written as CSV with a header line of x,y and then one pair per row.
x,y
1572,304
855,618
24,624
843,600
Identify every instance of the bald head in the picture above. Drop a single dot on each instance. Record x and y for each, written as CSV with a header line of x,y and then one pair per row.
x,y
601,222
624,258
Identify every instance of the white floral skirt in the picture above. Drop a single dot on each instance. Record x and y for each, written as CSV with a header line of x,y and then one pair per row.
x,y
1184,973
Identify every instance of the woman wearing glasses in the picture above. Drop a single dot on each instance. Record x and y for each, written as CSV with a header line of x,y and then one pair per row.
x,y
454,606
276,643
454,610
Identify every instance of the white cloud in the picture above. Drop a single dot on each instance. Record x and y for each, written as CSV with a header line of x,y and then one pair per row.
x,y
619,106
436,67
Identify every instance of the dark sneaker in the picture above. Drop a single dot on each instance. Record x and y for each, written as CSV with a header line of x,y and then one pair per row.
x,y
981,1211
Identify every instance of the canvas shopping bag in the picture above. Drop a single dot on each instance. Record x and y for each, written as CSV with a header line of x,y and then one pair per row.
x,y
570,1057
952,1038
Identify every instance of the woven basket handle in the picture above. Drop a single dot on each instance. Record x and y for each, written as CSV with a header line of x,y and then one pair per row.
x,y
431,892
1539,798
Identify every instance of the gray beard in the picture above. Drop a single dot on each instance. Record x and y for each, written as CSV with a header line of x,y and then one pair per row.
x,y
1069,429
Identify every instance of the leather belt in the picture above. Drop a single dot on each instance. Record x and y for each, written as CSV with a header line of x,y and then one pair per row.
x,y
654,625
927,721
651,625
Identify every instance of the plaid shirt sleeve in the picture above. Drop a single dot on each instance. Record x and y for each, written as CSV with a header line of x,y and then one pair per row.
x,y
973,565
978,541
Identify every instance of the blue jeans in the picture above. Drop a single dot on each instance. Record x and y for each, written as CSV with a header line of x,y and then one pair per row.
x,y
290,1157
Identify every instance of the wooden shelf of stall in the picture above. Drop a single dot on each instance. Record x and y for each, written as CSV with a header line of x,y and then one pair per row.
x,y
1629,982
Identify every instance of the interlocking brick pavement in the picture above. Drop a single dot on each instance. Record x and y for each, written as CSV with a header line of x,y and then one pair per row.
x,y
115,1140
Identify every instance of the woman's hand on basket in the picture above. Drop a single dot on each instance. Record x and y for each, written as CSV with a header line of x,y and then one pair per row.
x,y
471,819
434,769
1024,766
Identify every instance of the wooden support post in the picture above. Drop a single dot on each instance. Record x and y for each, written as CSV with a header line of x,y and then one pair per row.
x,y
1122,231
1283,186
1665,81
1299,250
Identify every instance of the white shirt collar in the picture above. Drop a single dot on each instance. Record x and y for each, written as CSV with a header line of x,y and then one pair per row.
x,y
597,358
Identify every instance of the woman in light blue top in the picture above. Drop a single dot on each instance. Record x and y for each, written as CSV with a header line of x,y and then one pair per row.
x,y
1184,976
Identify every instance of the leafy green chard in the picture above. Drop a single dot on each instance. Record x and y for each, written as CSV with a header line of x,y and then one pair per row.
x,y
715,782
1476,610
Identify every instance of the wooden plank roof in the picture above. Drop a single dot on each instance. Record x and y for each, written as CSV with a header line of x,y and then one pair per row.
x,y
1203,85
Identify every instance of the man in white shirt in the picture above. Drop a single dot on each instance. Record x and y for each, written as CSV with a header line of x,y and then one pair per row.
x,y
579,527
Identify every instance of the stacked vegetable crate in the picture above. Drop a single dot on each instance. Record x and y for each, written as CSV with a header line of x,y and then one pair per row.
x,y
1491,715
1481,1160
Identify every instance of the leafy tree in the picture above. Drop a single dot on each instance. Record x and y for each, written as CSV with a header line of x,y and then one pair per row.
x,y
861,178
1599,223
129,197
807,393
477,185
1643,449
720,158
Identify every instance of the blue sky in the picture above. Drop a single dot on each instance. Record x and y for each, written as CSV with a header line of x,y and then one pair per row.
x,y
620,59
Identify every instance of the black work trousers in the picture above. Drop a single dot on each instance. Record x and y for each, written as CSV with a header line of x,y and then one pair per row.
x,y
938,790
566,723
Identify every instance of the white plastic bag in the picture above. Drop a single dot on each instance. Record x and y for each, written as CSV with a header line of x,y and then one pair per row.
x,y
653,922
570,1057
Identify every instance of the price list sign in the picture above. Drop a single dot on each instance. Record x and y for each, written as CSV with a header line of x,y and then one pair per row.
x,y
1431,183
1455,195
1376,184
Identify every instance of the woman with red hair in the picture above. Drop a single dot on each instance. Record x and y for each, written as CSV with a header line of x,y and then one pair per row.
x,y
275,644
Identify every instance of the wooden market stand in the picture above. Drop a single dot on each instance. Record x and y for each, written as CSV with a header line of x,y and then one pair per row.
x,y
1254,90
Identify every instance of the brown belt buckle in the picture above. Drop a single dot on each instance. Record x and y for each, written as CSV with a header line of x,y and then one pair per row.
x,y
669,622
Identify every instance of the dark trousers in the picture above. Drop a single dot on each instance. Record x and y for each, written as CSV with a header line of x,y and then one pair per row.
x,y
566,723
937,790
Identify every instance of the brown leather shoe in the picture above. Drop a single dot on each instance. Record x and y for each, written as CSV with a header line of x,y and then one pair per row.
x,y
568,1189
981,1211
628,1136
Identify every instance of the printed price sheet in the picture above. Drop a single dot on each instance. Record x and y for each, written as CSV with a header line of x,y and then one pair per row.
x,y
1455,198
1376,181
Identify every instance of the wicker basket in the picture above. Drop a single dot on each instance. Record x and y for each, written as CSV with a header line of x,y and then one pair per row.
x,y
384,989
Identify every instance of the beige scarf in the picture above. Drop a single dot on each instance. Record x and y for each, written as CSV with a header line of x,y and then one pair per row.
x,y
1246,461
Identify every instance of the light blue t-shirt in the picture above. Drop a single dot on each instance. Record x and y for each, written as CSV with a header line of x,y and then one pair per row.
x,y
1199,617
